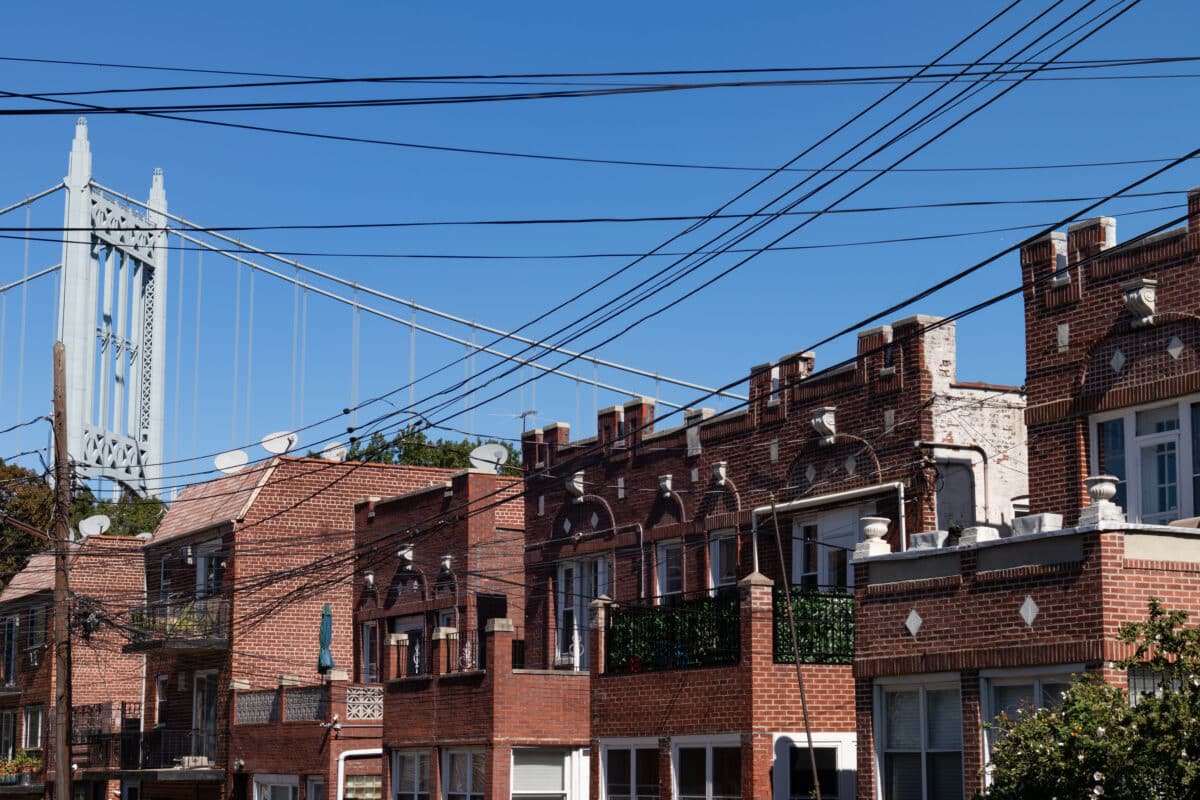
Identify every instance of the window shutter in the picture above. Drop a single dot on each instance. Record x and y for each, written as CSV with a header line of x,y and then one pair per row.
x,y
538,770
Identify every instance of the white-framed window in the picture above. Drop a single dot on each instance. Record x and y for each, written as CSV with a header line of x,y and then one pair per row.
x,y
8,657
35,632
410,775
276,787
670,570
539,773
773,398
579,583
1010,691
369,650
836,765
161,683
707,768
629,770
464,774
314,788
822,546
722,559
8,734
919,736
32,739
1154,451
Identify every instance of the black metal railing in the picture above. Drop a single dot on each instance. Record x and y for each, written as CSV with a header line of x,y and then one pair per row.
x,y
181,620
461,652
160,748
679,633
824,623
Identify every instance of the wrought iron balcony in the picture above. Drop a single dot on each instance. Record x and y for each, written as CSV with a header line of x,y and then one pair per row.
x,y
189,623
824,624
159,748
681,633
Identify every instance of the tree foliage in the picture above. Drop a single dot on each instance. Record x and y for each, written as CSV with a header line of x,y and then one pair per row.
x,y
414,448
1094,744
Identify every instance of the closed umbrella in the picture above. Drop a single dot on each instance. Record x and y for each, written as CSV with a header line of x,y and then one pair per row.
x,y
325,659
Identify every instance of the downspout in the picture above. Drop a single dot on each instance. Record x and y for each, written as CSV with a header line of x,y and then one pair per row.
x,y
987,491
341,767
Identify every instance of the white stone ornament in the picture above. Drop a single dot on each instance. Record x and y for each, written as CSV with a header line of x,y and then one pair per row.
x,y
1175,347
873,544
824,422
664,484
811,473
851,465
1141,297
567,526
574,485
595,520
1029,611
1118,361
720,471
1101,489
913,623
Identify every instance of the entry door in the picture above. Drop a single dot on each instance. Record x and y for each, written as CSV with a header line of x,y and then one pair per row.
x,y
822,547
204,714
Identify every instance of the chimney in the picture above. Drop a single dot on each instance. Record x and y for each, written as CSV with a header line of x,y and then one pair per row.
x,y
1089,237
639,420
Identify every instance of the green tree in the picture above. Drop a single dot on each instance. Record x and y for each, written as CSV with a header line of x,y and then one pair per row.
x,y
1094,744
412,447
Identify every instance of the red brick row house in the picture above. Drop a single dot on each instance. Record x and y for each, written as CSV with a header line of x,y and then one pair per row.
x,y
947,638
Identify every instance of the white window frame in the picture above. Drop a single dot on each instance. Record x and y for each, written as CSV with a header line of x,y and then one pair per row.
x,y
265,782
8,733
939,680
845,744
411,791
575,779
206,555
641,743
311,782
708,743
27,714
472,790
773,397
1133,444
591,577
11,633
990,678
660,573
836,527
161,684
715,563
37,626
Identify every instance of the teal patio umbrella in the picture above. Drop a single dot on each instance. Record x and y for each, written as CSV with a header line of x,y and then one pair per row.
x,y
325,659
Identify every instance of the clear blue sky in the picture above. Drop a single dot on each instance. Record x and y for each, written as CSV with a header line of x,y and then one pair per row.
x,y
774,305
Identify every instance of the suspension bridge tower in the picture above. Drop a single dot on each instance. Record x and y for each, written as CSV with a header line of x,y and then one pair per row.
x,y
112,319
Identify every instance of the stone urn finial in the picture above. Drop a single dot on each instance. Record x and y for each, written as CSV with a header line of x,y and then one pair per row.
x,y
1101,489
873,543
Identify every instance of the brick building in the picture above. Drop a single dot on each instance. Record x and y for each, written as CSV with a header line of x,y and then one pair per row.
x,y
466,712
104,570
235,581
947,638
687,546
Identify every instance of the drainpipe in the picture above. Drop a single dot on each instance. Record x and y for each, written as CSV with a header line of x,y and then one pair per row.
x,y
828,499
987,492
341,768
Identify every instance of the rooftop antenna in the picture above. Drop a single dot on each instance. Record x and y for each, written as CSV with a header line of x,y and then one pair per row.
x,y
231,461
280,442
489,457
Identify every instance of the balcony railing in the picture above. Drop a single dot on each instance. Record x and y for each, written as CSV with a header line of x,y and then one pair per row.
x,y
824,623
681,633
160,748
462,653
192,622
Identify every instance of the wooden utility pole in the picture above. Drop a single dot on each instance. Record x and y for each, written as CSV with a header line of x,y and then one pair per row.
x,y
61,531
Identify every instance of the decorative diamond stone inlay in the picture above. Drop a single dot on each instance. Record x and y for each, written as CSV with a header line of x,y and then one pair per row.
x,y
1175,347
567,526
1118,361
810,473
851,464
595,520
1029,610
913,623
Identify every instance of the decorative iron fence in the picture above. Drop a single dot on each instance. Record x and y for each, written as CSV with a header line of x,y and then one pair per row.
x,y
190,620
824,622
700,631
160,748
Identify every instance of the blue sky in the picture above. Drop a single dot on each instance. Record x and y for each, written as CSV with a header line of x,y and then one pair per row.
x,y
775,304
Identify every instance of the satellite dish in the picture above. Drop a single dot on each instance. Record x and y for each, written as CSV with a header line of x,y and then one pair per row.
x,y
334,451
280,442
489,457
94,526
231,461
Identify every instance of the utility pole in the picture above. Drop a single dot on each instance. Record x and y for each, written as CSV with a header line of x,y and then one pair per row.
x,y
61,532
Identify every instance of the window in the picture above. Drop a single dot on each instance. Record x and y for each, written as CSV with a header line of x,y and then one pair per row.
x,y
160,698
314,789
801,776
921,742
164,578
1155,455
276,787
670,569
464,775
210,568
723,561
410,775
1009,694
631,773
1144,680
8,659
821,548
35,634
955,494
708,772
369,665
364,787
8,734
774,397
579,583
539,773
33,728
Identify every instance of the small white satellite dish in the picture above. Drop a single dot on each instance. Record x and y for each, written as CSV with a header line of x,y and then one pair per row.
x,y
231,461
280,442
489,457
94,526
334,451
